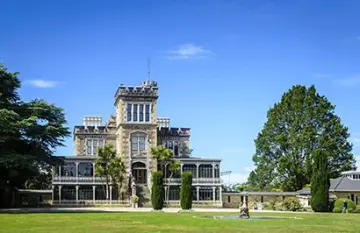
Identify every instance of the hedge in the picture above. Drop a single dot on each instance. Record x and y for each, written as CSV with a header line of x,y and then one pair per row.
x,y
339,203
157,191
186,191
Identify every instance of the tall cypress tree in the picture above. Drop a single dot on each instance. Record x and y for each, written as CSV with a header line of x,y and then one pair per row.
x,y
320,182
186,191
157,191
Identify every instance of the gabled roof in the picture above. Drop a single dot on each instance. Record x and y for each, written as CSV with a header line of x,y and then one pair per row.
x,y
344,184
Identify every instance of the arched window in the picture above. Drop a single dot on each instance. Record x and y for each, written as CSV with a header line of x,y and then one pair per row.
x,y
138,143
190,168
68,169
85,169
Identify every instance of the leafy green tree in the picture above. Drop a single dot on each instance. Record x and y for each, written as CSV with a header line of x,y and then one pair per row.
x,y
110,167
186,191
30,132
320,183
166,163
157,190
117,174
301,123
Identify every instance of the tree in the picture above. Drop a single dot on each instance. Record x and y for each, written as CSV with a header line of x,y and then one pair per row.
x,y
296,127
186,191
157,191
166,163
110,167
117,174
30,132
320,183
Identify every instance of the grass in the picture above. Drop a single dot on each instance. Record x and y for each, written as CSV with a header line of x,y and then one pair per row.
x,y
173,222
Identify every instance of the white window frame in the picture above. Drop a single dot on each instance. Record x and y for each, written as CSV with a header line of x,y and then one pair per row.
x,y
138,112
138,135
93,147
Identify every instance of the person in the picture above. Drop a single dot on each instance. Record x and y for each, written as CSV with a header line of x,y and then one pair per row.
x,y
345,206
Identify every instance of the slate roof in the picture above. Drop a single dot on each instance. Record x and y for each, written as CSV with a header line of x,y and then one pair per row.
x,y
344,184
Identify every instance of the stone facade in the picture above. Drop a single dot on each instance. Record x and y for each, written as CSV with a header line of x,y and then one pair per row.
x,y
133,131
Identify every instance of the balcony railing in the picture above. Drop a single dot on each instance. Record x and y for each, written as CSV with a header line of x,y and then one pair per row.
x,y
195,181
80,179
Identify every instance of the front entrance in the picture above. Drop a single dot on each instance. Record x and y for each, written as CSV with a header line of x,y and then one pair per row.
x,y
139,172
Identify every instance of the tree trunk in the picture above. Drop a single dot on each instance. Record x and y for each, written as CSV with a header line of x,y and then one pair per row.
x,y
168,190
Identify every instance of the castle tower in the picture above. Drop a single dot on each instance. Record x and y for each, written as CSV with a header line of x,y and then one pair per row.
x,y
136,128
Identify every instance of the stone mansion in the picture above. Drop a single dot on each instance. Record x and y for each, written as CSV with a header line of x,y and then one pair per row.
x,y
133,130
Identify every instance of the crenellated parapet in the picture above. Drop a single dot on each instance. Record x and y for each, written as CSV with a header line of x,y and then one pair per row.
x,y
148,90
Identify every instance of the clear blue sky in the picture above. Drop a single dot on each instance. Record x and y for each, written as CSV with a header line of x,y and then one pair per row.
x,y
220,64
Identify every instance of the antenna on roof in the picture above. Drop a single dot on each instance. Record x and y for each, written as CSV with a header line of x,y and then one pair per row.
x,y
148,69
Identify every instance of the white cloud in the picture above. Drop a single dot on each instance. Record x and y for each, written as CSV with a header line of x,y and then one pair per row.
x,y
350,82
189,51
43,83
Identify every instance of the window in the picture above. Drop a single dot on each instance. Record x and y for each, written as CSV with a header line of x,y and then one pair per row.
x,y
92,145
205,171
190,168
135,112
205,194
138,112
129,112
138,144
174,146
141,113
147,113
229,199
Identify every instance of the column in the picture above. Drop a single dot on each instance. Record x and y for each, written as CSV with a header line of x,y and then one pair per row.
x,y
197,193
59,194
107,192
197,170
94,172
165,189
214,194
110,194
52,193
77,171
94,194
59,171
77,193
213,171
181,167
220,194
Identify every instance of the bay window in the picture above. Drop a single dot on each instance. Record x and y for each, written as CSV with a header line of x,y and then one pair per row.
x,y
138,144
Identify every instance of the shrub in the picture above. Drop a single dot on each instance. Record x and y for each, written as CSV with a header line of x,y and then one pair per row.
x,y
278,206
157,191
272,204
338,205
292,204
186,191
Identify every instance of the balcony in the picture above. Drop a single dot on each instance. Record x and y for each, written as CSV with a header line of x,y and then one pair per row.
x,y
195,181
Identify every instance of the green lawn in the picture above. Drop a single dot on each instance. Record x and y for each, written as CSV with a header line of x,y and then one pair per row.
x,y
172,222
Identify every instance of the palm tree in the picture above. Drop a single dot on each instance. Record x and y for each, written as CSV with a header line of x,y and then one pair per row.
x,y
166,161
